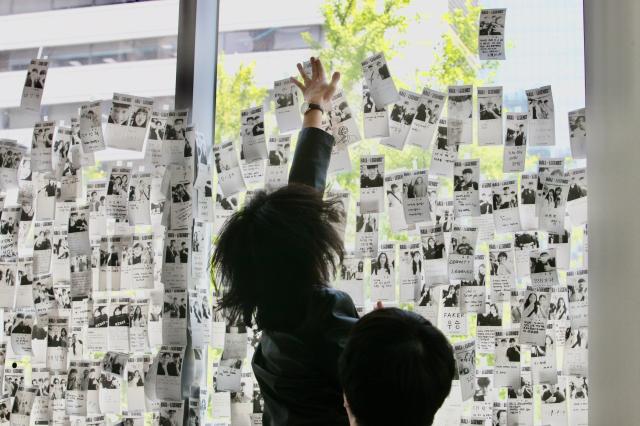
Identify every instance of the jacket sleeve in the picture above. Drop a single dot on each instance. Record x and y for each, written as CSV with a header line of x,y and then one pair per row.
x,y
342,318
311,159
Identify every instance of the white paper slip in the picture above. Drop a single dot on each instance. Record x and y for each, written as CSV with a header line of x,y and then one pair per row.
x,y
502,269
287,105
343,123
425,122
460,114
434,253
484,222
577,196
366,233
541,116
465,355
371,183
91,127
252,133
553,204
461,255
506,214
34,85
11,154
445,151
415,196
473,291
383,272
508,354
491,34
410,271
515,143
128,121
230,177
41,146
466,175
578,133
489,115
376,119
401,117
528,194
452,320
395,201
535,314
277,169
378,78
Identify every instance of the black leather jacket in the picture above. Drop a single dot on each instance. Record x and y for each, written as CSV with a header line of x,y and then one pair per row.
x,y
298,371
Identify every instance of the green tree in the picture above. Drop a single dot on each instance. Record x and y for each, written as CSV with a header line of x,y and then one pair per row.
x,y
234,92
457,63
355,29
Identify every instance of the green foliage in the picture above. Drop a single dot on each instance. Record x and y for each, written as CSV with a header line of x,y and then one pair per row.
x,y
234,92
457,61
355,29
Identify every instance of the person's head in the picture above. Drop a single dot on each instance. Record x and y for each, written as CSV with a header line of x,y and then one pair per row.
x,y
119,112
502,257
544,257
431,242
493,309
178,124
512,342
372,171
467,174
394,188
274,252
141,117
482,269
532,298
418,369
383,260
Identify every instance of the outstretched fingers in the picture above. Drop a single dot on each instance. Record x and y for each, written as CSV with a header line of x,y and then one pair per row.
x,y
302,72
320,70
335,78
297,83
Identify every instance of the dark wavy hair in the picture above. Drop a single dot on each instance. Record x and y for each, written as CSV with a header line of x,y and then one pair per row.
x,y
396,358
272,254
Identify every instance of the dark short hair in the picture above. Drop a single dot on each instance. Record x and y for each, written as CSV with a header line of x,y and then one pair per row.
x,y
396,358
272,254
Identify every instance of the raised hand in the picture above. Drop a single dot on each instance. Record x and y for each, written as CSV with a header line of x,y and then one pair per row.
x,y
315,88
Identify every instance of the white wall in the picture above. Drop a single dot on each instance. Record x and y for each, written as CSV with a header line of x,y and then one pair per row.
x,y
612,39
90,25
